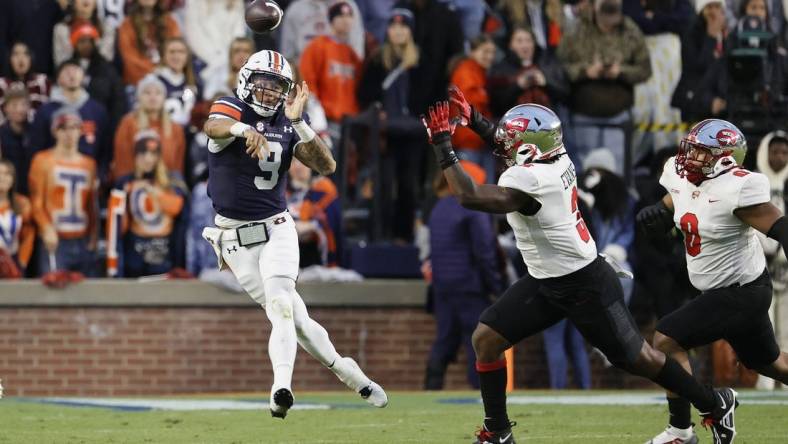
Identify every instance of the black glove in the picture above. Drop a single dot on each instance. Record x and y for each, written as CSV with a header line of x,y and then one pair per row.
x,y
655,219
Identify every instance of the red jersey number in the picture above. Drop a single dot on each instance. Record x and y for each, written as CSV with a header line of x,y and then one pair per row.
x,y
582,230
689,225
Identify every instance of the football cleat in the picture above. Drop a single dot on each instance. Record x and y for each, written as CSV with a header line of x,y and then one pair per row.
x,y
720,421
374,394
281,401
505,436
673,435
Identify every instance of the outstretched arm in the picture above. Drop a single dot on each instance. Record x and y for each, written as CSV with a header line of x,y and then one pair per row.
x,y
470,117
311,150
767,219
489,198
228,128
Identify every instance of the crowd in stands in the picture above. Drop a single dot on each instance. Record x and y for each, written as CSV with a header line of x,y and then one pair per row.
x,y
103,158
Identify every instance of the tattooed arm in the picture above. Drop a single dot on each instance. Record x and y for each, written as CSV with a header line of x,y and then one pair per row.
x,y
310,150
316,155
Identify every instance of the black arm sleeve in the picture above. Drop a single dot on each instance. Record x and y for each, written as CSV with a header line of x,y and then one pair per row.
x,y
483,127
779,232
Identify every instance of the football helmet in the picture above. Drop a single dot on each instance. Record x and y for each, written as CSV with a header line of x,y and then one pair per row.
x,y
711,147
528,132
264,82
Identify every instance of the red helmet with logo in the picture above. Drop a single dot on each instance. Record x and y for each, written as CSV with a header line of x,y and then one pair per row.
x,y
528,132
712,147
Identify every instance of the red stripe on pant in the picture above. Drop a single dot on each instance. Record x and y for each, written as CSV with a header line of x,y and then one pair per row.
x,y
482,367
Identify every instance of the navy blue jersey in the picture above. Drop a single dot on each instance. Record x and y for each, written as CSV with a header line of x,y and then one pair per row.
x,y
241,186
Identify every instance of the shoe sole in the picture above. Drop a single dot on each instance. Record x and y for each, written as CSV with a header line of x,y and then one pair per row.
x,y
283,398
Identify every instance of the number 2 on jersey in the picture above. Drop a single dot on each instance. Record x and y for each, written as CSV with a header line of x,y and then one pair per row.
x,y
582,229
689,225
270,167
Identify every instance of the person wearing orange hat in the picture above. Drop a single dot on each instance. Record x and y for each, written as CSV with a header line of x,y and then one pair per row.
x,y
81,19
464,268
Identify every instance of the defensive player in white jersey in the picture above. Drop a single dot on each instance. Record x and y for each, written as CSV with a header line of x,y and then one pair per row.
x,y
253,135
566,278
718,205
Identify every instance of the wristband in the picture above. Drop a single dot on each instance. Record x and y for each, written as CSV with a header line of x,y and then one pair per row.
x,y
444,152
305,133
239,128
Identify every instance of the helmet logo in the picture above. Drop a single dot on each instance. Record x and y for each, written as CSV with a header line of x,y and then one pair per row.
x,y
727,137
516,125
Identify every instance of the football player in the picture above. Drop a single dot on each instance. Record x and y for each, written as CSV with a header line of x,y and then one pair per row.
x,y
718,205
253,138
566,278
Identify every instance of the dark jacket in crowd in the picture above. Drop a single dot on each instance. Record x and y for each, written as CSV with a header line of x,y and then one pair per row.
x,y
463,249
439,37
506,93
105,86
395,90
16,148
32,22
669,16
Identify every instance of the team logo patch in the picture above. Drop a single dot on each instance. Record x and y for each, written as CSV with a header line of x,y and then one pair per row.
x,y
280,220
727,137
518,124
695,194
260,126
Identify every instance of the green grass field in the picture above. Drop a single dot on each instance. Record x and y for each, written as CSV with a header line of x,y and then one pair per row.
x,y
409,418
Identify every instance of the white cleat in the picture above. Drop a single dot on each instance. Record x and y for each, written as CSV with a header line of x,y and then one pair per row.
x,y
673,435
374,395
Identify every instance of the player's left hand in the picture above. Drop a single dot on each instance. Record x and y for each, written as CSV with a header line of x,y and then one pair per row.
x,y
295,107
437,120
460,103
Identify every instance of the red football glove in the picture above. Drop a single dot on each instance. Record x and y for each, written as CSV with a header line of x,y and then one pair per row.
x,y
460,105
438,120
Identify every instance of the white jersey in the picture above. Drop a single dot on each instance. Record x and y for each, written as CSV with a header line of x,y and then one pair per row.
x,y
721,249
555,241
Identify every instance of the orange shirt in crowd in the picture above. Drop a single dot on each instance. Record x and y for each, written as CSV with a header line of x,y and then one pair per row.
x,y
136,63
63,193
332,69
471,78
17,231
173,147
151,213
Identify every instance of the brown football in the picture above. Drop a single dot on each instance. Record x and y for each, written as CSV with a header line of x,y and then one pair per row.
x,y
263,16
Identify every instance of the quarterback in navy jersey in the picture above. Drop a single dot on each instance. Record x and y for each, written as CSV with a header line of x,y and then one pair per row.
x,y
253,136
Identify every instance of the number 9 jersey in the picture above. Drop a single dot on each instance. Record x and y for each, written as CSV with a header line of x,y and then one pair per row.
x,y
243,187
721,249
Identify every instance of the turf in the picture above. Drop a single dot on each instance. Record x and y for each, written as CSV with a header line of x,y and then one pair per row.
x,y
409,418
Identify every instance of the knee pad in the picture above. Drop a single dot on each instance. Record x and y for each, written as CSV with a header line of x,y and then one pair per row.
x,y
277,297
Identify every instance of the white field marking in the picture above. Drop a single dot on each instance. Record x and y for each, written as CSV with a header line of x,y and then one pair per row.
x,y
638,398
175,404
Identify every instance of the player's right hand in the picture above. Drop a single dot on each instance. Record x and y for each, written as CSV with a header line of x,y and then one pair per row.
x,y
460,103
256,144
653,219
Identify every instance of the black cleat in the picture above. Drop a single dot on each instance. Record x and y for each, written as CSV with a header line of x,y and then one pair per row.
x,y
283,398
723,429
484,436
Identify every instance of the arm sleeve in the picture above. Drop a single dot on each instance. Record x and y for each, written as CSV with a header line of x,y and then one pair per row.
x,y
171,202
755,190
37,186
135,64
520,178
668,171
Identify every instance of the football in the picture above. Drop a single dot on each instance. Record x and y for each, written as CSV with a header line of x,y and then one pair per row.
x,y
263,16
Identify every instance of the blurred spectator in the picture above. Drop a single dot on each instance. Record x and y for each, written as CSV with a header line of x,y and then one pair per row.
x,y
561,342
464,269
62,185
17,232
662,22
241,48
112,12
32,22
22,76
102,80
389,78
471,14
176,71
149,113
140,36
612,210
527,74
210,40
438,35
332,69
69,93
604,59
772,160
79,13
702,90
375,16
470,76
14,135
153,201
305,20
314,204
774,10
545,19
